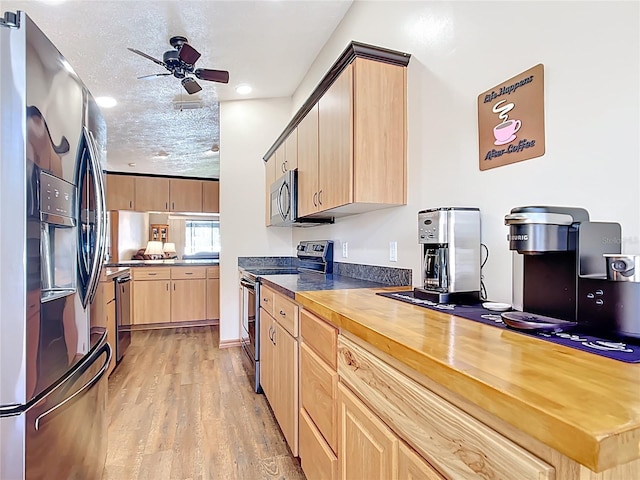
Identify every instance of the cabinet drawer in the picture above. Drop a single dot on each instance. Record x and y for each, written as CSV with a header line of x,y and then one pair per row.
x,y
213,272
151,273
320,336
286,314
266,299
187,273
454,442
317,459
318,386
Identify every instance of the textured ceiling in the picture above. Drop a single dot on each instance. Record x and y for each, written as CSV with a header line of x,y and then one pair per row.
x,y
268,44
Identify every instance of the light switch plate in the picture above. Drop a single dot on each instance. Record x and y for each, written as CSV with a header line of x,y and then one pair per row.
x,y
345,249
393,251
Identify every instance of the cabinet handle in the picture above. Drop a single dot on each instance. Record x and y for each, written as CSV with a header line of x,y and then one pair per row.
x,y
273,339
282,167
173,205
166,205
167,285
282,313
315,199
152,274
188,273
174,286
130,204
285,165
265,300
270,332
320,197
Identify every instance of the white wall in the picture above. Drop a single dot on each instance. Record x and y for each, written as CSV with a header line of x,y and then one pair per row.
x,y
590,52
247,129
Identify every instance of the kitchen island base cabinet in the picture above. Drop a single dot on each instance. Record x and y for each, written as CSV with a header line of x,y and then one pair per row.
x,y
456,444
213,293
317,460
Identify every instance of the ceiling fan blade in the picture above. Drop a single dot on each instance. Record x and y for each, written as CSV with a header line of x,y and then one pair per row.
x,y
159,62
188,54
144,77
190,85
221,76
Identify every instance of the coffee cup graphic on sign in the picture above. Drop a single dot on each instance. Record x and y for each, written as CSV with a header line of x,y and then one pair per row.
x,y
505,132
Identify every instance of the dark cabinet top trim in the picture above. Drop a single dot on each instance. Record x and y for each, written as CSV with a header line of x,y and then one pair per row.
x,y
353,51
177,177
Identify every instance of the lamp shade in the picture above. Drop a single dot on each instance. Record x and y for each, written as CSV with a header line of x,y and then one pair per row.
x,y
169,247
153,248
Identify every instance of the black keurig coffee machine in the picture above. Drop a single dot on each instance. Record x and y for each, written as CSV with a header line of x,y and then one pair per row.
x,y
556,246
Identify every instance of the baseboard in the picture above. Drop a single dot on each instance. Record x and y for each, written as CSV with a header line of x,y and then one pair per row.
x,y
191,323
230,343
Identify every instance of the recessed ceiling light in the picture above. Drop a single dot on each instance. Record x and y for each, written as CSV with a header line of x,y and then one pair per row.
x,y
132,164
243,89
215,148
106,102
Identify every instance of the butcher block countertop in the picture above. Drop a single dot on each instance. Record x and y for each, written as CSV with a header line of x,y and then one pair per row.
x,y
585,406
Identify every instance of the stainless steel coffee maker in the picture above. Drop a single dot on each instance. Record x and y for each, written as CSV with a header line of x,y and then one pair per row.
x,y
556,248
450,239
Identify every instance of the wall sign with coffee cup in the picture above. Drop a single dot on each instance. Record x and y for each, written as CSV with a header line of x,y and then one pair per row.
x,y
511,120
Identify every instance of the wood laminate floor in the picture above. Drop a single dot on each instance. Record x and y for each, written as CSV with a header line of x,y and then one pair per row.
x,y
181,408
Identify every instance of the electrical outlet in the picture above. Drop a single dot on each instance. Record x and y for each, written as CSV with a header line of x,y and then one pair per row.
x,y
393,251
345,249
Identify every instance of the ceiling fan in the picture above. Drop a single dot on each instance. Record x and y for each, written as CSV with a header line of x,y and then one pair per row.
x,y
180,63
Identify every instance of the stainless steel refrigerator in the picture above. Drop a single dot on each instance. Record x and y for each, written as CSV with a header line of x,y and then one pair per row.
x,y
52,242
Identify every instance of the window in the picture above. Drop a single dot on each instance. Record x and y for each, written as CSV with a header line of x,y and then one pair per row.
x,y
202,238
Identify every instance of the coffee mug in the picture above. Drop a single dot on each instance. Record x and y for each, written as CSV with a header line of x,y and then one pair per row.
x,y
506,130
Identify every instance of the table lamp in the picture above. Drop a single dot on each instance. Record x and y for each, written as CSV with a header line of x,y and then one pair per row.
x,y
154,250
169,249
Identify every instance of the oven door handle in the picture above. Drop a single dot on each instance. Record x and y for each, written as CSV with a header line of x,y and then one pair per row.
x,y
247,284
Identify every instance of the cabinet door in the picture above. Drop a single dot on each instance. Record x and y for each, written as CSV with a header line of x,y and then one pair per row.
x,y
281,156
185,195
269,178
379,133
151,302
412,467
286,385
308,163
316,458
318,387
152,194
188,300
266,356
291,151
211,197
120,192
367,448
335,128
213,298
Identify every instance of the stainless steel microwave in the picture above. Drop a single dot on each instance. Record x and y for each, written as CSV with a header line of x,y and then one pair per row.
x,y
283,199
283,204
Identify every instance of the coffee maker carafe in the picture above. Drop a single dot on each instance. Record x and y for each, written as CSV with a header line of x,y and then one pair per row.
x,y
556,246
450,239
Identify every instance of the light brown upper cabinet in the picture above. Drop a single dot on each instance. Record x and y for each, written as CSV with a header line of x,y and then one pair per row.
x,y
362,158
308,164
120,192
351,136
152,194
210,197
291,152
269,177
185,195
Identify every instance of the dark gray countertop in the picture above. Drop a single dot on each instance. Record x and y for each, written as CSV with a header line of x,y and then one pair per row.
x,y
162,263
290,284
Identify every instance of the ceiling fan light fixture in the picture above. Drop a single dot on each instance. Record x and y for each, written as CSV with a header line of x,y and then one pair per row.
x,y
243,89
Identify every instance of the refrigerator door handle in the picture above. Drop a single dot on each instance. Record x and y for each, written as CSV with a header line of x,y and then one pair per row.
x,y
87,386
96,264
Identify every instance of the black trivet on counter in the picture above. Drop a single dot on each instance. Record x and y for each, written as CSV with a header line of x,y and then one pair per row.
x,y
572,338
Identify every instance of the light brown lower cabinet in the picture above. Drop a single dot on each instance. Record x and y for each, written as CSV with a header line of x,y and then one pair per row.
x,y
317,459
411,466
279,369
169,294
151,301
213,293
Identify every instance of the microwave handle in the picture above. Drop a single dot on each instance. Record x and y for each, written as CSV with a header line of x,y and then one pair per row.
x,y
286,213
280,211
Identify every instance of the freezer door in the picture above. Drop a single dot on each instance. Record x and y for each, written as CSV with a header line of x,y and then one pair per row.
x,y
66,432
